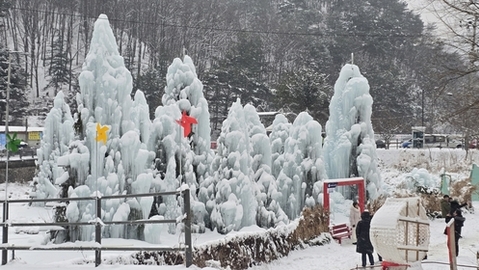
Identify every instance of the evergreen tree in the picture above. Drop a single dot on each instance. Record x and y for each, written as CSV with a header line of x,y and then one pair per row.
x,y
4,7
60,77
219,96
384,29
395,92
383,38
305,90
239,75
18,102
311,49
149,82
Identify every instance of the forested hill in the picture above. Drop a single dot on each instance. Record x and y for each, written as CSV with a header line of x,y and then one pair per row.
x,y
274,54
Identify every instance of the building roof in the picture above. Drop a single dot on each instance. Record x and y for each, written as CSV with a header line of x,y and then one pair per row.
x,y
21,129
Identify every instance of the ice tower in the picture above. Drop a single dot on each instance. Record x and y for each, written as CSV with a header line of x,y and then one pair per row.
x,y
349,147
118,166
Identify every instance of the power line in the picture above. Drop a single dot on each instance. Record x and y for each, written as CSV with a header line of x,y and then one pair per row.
x,y
227,30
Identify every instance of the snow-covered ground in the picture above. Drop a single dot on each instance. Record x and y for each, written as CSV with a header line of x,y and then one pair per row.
x,y
395,164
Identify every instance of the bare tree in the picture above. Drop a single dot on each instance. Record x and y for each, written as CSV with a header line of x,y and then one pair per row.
x,y
458,24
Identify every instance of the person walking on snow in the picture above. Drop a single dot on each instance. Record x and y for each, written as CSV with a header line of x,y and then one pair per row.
x,y
354,218
364,245
458,223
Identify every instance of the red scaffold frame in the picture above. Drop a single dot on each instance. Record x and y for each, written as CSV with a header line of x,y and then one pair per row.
x,y
332,183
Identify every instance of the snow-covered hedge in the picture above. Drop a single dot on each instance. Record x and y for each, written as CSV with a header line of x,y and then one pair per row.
x,y
245,250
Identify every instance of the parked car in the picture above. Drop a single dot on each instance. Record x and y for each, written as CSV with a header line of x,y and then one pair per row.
x,y
407,144
380,144
23,145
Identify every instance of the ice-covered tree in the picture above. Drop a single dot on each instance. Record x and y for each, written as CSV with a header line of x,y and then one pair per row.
x,y
201,132
233,205
166,139
192,155
349,147
303,167
116,167
268,214
278,136
55,143
186,91
140,115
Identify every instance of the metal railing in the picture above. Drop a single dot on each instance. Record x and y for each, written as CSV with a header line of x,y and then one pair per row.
x,y
98,223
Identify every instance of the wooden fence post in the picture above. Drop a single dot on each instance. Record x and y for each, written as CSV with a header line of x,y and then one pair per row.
x,y
451,244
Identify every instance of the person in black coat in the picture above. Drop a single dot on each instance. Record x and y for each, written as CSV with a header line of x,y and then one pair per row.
x,y
456,205
364,245
458,223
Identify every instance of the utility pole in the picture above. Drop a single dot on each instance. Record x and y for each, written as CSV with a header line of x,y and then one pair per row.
x,y
5,204
422,107
470,25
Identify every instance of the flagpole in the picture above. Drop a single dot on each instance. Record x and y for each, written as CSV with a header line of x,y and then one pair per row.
x,y
97,167
181,150
101,136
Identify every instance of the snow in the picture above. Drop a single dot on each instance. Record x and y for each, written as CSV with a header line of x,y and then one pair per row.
x,y
237,185
396,165
249,180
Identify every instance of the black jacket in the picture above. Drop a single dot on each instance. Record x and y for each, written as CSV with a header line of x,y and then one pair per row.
x,y
363,244
458,223
455,205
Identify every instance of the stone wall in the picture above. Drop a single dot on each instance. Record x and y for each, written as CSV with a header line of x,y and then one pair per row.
x,y
19,171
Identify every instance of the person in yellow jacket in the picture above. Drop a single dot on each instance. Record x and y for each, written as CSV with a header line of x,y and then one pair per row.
x,y
354,218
